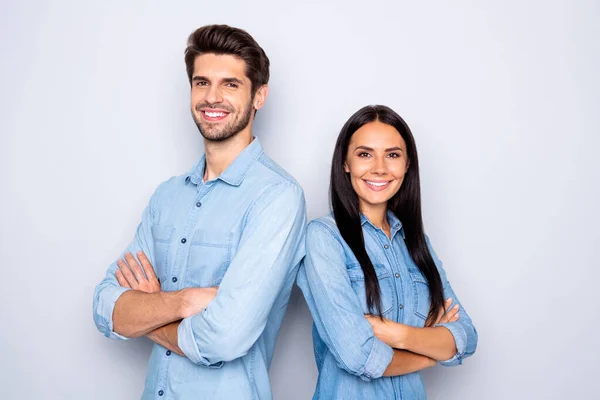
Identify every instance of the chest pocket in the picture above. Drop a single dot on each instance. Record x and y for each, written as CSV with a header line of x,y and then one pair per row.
x,y
357,279
421,294
209,258
163,236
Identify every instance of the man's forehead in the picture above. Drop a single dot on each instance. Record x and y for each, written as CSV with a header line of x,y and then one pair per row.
x,y
220,66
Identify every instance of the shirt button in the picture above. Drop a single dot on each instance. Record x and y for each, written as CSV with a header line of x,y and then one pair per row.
x,y
160,392
397,275
168,352
174,279
183,240
386,246
401,306
198,204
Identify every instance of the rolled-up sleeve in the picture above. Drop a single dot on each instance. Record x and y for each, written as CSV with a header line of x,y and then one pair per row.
x,y
108,291
463,330
264,268
336,309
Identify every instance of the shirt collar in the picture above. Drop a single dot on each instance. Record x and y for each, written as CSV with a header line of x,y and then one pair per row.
x,y
234,174
395,224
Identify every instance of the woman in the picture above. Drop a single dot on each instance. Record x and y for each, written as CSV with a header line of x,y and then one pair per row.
x,y
373,284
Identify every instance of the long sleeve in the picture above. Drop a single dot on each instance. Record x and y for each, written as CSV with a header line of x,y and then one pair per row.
x,y
336,309
271,247
109,290
463,330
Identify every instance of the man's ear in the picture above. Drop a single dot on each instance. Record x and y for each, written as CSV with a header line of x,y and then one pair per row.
x,y
260,97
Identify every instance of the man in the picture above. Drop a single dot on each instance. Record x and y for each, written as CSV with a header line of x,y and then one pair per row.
x,y
218,248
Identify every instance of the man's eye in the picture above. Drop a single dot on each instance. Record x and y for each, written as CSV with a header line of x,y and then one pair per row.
x,y
201,83
232,85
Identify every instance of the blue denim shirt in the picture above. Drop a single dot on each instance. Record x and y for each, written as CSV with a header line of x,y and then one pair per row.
x,y
244,232
350,359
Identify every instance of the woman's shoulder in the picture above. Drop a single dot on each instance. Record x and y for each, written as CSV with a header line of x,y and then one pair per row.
x,y
322,227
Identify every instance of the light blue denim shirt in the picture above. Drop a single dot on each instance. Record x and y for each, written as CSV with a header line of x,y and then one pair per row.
x,y
244,232
350,359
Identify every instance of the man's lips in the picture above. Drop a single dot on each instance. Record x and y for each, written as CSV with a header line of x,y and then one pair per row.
x,y
214,114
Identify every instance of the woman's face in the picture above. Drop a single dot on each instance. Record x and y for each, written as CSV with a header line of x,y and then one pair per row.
x,y
377,162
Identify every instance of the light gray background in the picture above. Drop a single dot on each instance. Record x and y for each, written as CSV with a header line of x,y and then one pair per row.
x,y
503,99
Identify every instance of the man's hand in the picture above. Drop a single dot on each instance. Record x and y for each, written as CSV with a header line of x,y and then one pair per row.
x,y
132,276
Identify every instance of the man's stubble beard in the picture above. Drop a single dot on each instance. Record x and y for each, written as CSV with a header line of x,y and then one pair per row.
x,y
216,134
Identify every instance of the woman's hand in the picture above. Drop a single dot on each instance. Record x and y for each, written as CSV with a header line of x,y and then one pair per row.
x,y
385,329
447,314
392,333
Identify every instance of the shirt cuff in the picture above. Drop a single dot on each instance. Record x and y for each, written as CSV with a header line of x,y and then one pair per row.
x,y
106,307
187,343
379,359
460,339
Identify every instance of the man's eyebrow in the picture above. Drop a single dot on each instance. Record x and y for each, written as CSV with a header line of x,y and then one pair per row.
x,y
224,80
232,80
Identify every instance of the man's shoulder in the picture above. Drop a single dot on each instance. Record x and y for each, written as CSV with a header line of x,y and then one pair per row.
x,y
267,172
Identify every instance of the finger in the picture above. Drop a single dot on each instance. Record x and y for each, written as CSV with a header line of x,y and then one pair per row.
x,y
135,267
452,314
121,279
146,265
442,310
126,271
448,304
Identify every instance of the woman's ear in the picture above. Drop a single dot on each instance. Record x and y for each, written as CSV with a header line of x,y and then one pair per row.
x,y
346,167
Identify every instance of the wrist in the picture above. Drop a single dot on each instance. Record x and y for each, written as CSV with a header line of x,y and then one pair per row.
x,y
403,337
176,301
183,300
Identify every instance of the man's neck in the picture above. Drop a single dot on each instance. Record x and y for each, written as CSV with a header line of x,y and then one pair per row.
x,y
219,155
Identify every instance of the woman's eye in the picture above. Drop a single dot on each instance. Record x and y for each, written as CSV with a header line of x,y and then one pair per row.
x,y
364,154
394,155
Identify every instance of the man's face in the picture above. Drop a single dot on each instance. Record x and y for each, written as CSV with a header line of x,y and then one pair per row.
x,y
221,100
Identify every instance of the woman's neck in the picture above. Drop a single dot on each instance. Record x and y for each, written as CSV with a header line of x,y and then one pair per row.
x,y
378,217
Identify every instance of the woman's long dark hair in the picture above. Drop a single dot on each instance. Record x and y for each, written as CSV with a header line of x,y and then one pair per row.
x,y
406,204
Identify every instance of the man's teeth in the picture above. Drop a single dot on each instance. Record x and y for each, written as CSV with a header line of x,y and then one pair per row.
x,y
214,114
377,183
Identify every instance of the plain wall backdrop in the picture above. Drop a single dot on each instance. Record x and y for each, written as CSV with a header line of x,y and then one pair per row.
x,y
503,100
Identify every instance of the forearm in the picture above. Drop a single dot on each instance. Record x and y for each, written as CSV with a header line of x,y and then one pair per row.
x,y
437,342
405,362
137,313
166,336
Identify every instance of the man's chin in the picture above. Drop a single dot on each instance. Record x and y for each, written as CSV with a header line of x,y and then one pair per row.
x,y
215,136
